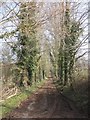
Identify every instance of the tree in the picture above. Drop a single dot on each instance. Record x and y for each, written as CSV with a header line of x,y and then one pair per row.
x,y
26,47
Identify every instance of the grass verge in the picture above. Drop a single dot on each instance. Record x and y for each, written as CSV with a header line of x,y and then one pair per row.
x,y
9,104
80,98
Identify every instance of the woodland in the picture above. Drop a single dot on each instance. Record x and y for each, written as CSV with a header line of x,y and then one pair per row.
x,y
39,41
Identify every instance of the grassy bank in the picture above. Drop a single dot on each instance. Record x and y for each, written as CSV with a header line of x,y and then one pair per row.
x,y
79,96
13,102
79,93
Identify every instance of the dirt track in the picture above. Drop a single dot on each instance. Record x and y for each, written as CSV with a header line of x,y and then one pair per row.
x,y
46,103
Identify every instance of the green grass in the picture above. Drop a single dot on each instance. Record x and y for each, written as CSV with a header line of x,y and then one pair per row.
x,y
80,98
13,102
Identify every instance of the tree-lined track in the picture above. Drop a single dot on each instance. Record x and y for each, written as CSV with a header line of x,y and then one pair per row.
x,y
46,103
41,39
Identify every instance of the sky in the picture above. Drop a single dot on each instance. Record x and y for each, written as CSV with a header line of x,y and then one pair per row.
x,y
3,12
45,0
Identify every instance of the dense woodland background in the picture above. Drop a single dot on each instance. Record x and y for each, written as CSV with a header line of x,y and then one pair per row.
x,y
40,40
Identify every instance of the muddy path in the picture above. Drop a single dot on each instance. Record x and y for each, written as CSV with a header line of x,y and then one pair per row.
x,y
46,103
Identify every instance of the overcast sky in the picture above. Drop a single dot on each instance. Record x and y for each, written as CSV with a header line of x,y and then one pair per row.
x,y
3,11
46,0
